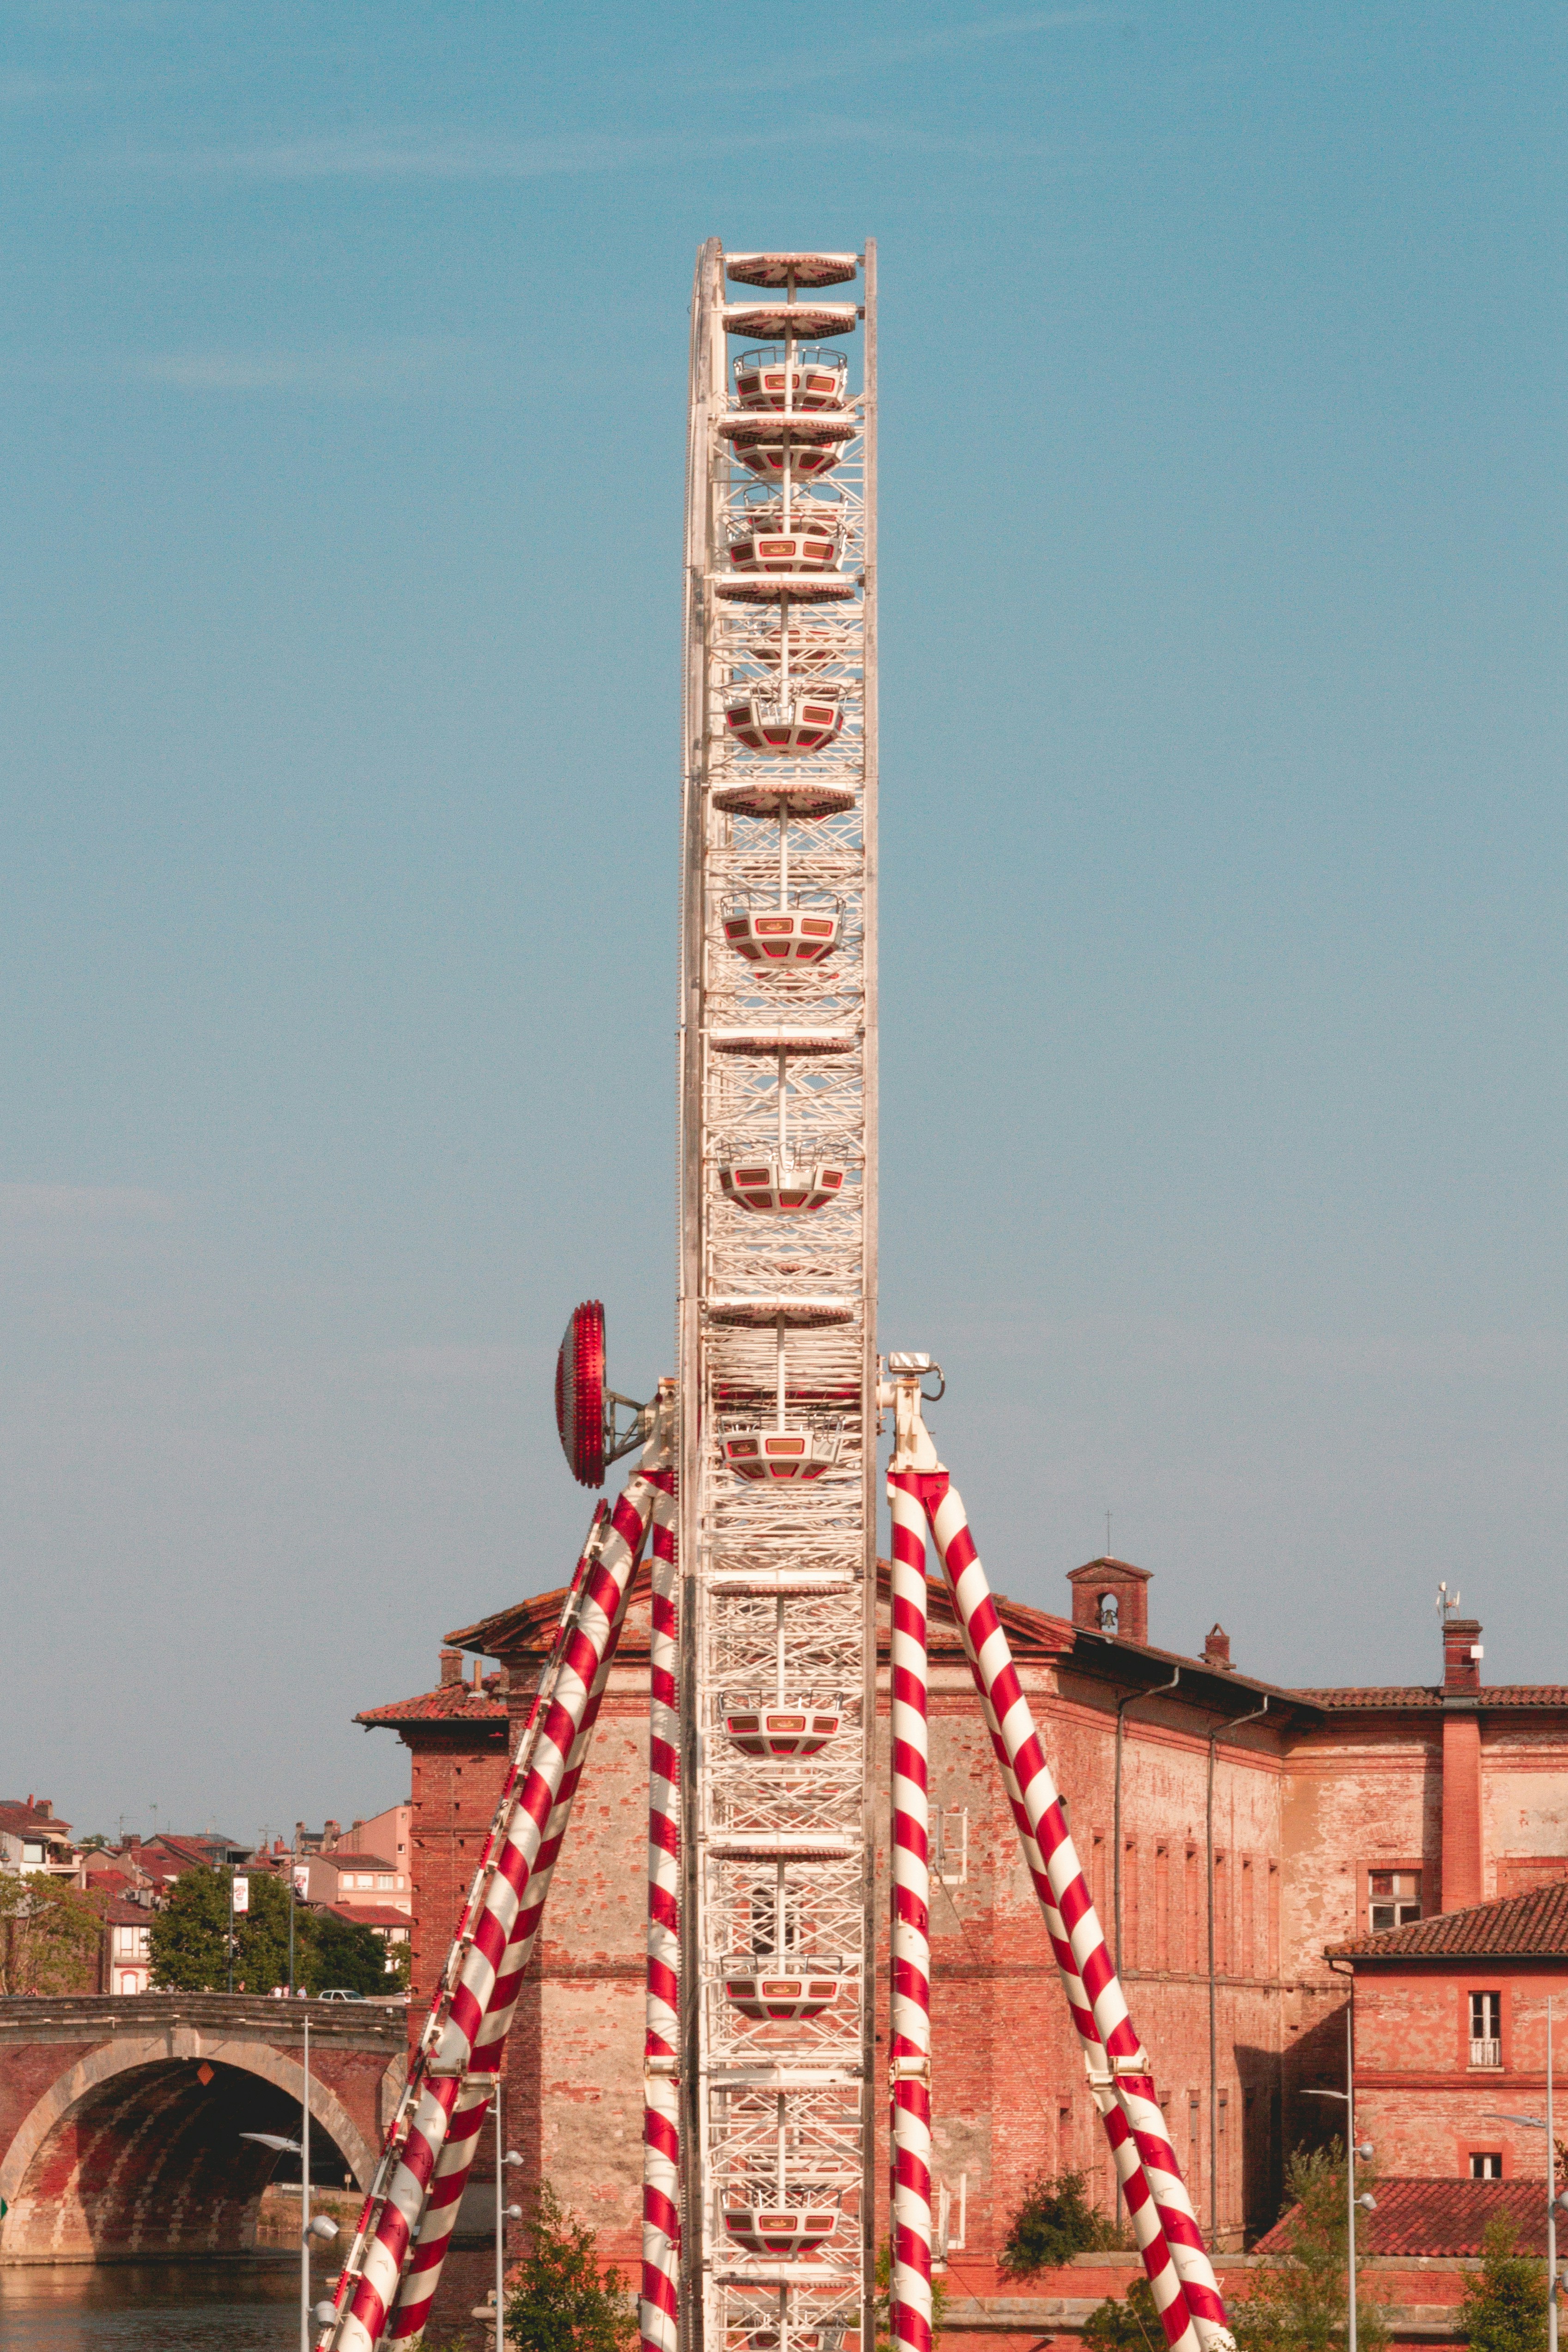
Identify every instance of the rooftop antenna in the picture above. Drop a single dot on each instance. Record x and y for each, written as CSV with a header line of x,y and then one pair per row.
x,y
1108,1535
1448,1602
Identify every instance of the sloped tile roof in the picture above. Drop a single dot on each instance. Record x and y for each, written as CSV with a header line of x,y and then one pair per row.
x,y
1435,2217
1491,1697
19,1819
368,1915
529,1625
1532,1925
448,1703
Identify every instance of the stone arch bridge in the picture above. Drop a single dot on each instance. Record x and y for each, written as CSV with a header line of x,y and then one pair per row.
x,y
121,2115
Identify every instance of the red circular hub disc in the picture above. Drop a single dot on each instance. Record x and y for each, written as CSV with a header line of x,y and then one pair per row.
x,y
580,1394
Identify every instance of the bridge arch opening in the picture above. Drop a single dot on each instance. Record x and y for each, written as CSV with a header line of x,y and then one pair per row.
x,y
147,2160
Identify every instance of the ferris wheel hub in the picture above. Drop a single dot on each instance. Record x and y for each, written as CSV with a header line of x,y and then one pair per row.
x,y
586,1409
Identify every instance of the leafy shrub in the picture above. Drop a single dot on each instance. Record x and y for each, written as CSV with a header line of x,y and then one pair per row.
x,y
1298,2301
1054,2221
561,2301
1504,2309
1129,2323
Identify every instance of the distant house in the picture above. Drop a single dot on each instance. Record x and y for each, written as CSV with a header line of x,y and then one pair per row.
x,y
126,1966
31,1839
346,1881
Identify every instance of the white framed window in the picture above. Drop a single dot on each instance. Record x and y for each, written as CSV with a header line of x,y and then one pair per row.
x,y
34,1850
947,1844
1485,2031
1485,2164
1394,1899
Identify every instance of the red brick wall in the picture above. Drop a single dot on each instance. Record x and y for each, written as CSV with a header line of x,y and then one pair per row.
x,y
455,1785
1423,2105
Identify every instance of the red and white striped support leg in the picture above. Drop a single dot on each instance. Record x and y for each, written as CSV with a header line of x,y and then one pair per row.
x,y
909,2018
658,2308
399,2269
1122,2075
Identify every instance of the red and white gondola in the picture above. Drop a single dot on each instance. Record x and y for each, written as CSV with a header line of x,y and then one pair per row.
x,y
781,1996
778,2229
804,933
798,377
777,1183
788,726
779,1734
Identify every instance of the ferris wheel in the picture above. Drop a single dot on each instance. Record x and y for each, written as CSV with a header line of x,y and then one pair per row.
x,y
754,1493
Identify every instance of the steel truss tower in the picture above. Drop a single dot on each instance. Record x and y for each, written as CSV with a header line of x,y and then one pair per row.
x,y
755,1492
778,1377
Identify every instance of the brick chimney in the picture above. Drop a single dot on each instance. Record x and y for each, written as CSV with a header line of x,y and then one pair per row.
x,y
1462,1851
451,1667
1462,1654
1216,1648
1111,1596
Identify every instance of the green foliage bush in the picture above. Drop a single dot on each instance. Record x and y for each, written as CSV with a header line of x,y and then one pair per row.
x,y
1129,2323
1297,2303
561,2301
188,1942
49,1936
1054,2221
1504,2309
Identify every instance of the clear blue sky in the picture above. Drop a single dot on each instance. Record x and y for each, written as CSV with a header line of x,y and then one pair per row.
x,y
342,353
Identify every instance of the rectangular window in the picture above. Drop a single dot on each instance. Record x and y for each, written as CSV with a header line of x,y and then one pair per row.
x,y
1485,2164
1161,1907
1486,2029
33,1850
1394,1898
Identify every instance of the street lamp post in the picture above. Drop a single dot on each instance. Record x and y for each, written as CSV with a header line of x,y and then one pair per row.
x,y
504,2213
1367,2203
1555,2199
324,2229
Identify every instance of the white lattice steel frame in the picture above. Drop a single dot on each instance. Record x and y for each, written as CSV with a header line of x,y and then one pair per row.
x,y
778,1582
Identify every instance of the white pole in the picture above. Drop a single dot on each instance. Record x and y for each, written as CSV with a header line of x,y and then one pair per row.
x,y
1350,2162
1551,2198
305,2204
501,2217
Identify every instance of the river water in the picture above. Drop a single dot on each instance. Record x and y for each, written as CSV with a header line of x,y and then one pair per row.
x,y
173,2307
240,2306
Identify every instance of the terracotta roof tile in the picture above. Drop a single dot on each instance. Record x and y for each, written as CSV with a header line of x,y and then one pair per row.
x,y
368,1915
1437,2217
1530,1924
449,1703
19,1819
1430,1696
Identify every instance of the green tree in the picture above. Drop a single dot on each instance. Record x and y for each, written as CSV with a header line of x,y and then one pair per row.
x,y
1298,2303
188,1942
50,1935
1054,2221
345,1954
1129,2323
561,2300
1504,2309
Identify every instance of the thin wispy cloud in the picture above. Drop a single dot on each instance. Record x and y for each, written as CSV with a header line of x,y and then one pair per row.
x,y
407,155
336,373
412,154
844,62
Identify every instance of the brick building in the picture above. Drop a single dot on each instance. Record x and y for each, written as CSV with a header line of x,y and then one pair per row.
x,y
1450,2035
1231,1829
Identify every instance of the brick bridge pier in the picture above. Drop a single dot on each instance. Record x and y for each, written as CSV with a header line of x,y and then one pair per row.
x,y
121,2115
